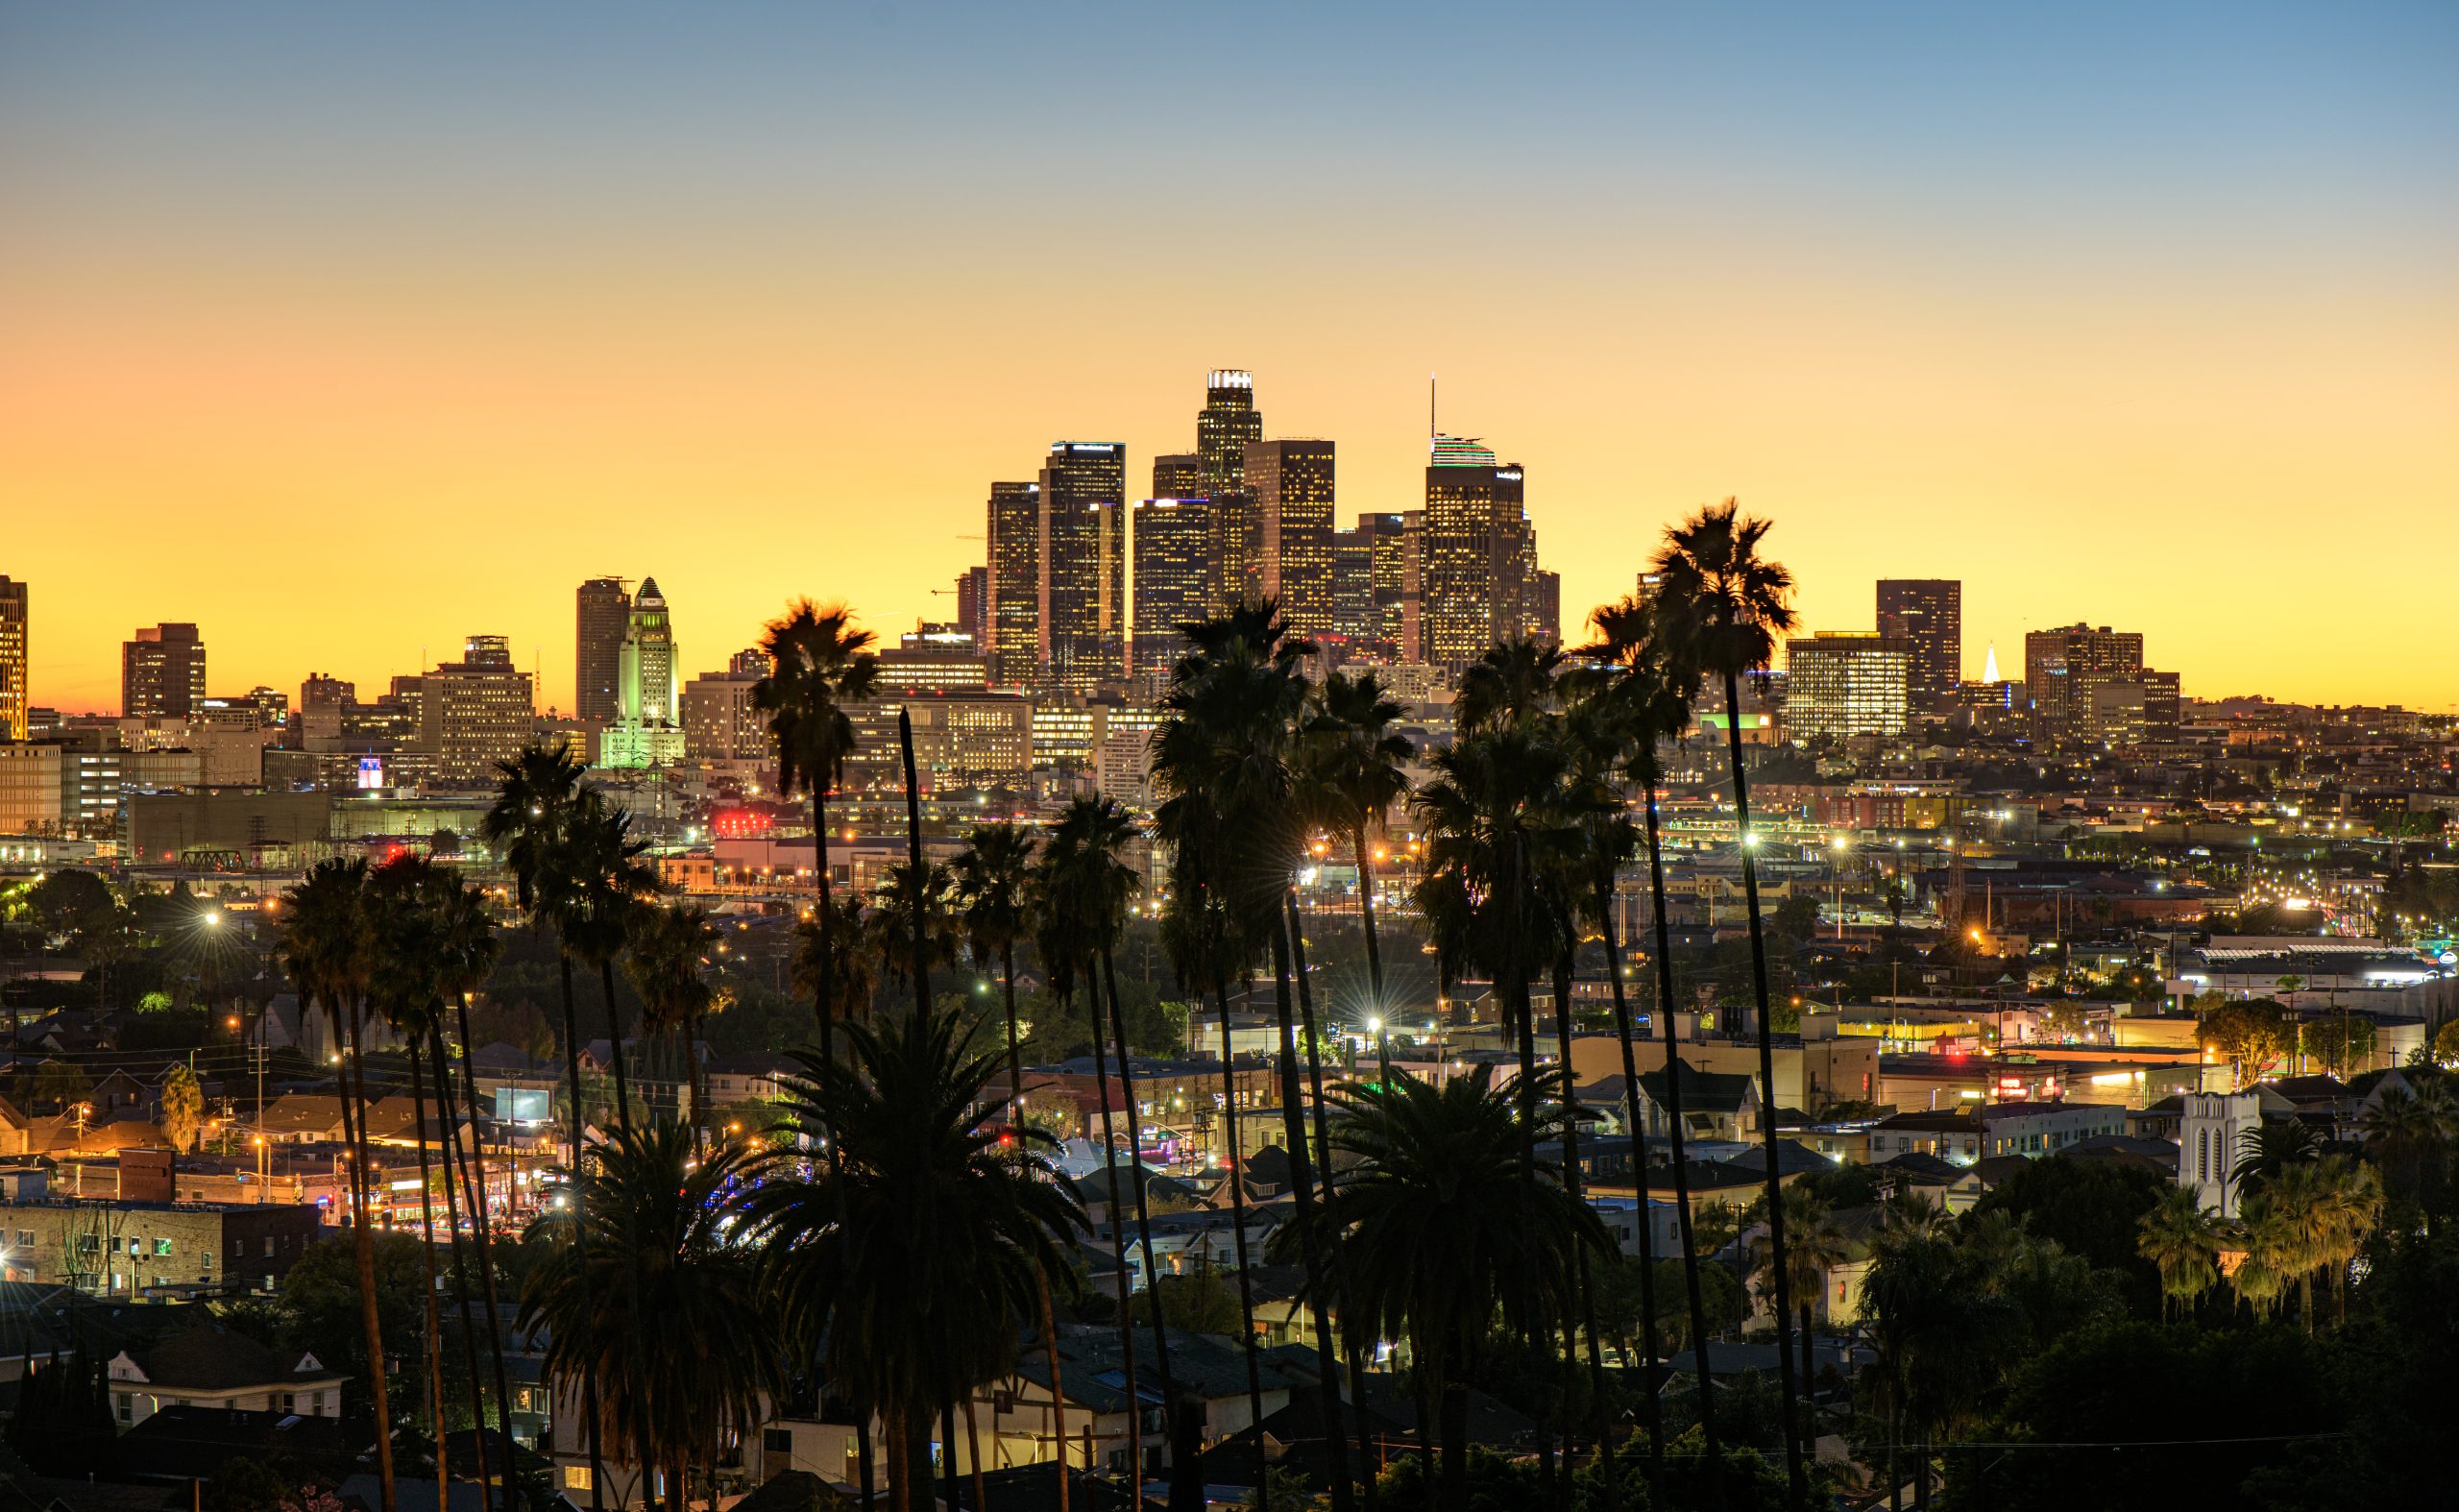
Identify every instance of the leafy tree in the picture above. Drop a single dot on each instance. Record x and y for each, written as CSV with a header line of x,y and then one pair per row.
x,y
2252,1033
321,1307
2342,1041
61,1084
2094,1209
182,1108
1203,1302
66,901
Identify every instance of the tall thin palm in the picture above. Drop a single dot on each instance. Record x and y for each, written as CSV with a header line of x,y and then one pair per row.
x,y
1351,760
1726,604
669,968
835,942
1230,811
1814,1245
611,883
915,1253
654,1259
819,663
325,950
1437,1229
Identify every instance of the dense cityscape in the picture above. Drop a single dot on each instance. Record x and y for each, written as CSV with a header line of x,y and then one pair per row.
x,y
1250,1010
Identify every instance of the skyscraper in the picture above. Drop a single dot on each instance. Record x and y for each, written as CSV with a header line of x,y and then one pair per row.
x,y
1178,474
162,673
603,614
2061,666
1226,425
1291,485
1478,554
1927,615
1011,600
1084,565
647,661
13,659
475,712
1171,539
1846,683
973,604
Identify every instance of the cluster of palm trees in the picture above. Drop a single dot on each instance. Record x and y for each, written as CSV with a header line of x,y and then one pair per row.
x,y
2304,1213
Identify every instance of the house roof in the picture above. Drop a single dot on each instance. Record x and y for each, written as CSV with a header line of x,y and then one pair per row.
x,y
1702,1091
209,1357
189,1443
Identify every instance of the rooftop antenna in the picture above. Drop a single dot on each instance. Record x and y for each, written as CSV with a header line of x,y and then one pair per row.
x,y
1430,432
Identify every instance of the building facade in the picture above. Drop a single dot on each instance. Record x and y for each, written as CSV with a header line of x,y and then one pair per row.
x,y
1291,483
1011,602
1083,598
2061,666
1224,429
15,699
1926,614
1173,582
602,616
162,673
1475,552
1839,684
475,712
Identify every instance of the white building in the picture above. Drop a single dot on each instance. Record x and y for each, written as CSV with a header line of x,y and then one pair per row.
x,y
2207,1145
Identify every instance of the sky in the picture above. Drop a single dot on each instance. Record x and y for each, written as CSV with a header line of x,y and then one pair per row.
x,y
348,332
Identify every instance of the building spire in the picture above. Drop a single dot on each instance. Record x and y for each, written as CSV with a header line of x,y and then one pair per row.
x,y
1990,665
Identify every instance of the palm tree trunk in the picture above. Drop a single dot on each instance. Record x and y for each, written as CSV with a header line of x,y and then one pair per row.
x,y
948,1449
1455,1446
1681,1161
1302,1177
1790,1390
692,1079
1809,1375
1186,1478
973,1456
1118,1235
450,1119
482,1221
1058,1388
1323,1146
1574,1182
1016,1058
363,1245
1366,917
1239,1215
1541,1343
822,988
578,1185
427,1254
1639,1179
614,1044
900,1474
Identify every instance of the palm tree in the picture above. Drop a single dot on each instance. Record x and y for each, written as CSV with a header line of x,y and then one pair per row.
x,y
1230,811
2409,1133
2181,1240
2350,1203
916,1250
1516,681
1351,763
1727,604
819,663
892,927
406,969
325,948
2272,1253
653,1259
1938,1332
530,825
612,884
1436,1230
670,948
1815,1245
1640,694
835,940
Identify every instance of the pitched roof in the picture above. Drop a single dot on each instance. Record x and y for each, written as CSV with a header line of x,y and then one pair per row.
x,y
1702,1091
210,1357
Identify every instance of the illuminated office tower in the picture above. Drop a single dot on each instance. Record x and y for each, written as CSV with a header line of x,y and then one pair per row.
x,y
1542,599
162,673
1412,570
1178,474
1383,537
1227,426
2061,669
1353,591
602,616
1011,596
1844,683
1084,565
1477,552
973,603
646,664
1171,541
13,659
474,712
1291,485
1926,614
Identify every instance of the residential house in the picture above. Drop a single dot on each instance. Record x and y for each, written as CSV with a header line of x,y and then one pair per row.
x,y
209,1365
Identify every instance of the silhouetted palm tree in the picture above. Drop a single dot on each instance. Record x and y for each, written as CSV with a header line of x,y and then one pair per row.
x,y
1438,1228
2181,1240
1813,1246
669,968
1515,681
916,1253
653,1259
842,948
1351,764
325,948
819,663
611,885
892,927
1726,604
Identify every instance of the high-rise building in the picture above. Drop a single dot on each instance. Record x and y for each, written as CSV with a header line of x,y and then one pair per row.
x,y
603,617
1171,541
1478,554
1226,426
1291,484
1178,474
646,665
1542,604
718,721
13,702
1082,606
973,603
475,712
1926,614
162,673
1384,535
1011,602
2061,666
1840,683
1354,591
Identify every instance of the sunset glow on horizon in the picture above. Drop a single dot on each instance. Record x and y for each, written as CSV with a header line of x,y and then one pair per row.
x,y
347,335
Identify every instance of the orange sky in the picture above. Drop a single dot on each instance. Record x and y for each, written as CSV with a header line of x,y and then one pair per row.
x,y
341,420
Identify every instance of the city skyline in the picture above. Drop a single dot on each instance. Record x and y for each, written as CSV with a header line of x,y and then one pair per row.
x,y
2108,332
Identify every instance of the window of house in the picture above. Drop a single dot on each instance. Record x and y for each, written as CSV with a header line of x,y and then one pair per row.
x,y
161,1247
777,1441
25,1238
268,1246
576,1477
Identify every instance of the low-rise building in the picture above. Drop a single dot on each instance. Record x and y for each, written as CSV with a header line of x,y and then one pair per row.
x,y
209,1365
